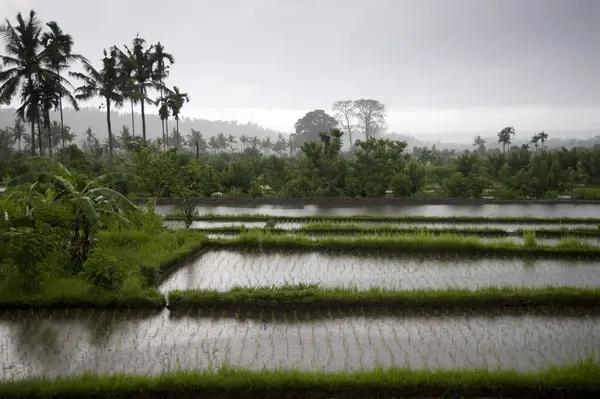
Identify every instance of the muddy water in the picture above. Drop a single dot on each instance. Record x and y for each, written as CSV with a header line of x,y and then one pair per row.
x,y
51,345
292,226
489,210
223,270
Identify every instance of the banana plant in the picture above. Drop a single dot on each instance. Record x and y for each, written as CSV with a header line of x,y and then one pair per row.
x,y
88,202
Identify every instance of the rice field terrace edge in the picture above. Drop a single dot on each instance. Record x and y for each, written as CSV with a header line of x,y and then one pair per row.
x,y
581,380
356,229
570,248
387,218
308,296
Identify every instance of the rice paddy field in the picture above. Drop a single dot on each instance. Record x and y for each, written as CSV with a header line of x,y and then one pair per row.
x,y
505,304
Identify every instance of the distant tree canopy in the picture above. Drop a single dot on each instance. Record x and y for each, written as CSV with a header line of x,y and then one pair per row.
x,y
310,125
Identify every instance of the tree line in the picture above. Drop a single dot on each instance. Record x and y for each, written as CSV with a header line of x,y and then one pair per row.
x,y
35,69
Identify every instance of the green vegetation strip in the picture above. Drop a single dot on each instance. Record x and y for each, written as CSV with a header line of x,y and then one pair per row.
x,y
579,380
400,244
356,228
386,218
313,296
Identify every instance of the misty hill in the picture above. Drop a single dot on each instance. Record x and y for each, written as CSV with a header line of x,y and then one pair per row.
x,y
96,120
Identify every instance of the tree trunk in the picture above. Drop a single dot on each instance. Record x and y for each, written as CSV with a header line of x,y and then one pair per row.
x,y
143,119
162,126
167,134
177,130
33,137
110,136
48,132
132,120
80,245
62,123
40,137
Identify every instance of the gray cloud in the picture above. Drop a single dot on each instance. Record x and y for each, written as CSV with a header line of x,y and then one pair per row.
x,y
305,54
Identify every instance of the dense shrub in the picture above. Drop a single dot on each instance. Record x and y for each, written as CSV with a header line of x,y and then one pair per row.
x,y
104,271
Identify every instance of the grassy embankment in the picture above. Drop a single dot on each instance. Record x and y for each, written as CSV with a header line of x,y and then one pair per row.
x,y
387,218
579,380
455,245
144,256
312,297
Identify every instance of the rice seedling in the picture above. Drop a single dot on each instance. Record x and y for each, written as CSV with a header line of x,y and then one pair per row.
x,y
393,243
311,296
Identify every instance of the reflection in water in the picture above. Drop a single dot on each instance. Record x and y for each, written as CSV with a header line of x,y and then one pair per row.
x,y
159,343
222,270
489,210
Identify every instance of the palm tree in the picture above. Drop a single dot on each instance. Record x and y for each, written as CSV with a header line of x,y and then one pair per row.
x,y
543,138
137,63
26,63
243,141
159,74
59,46
175,101
96,197
18,130
163,113
504,137
534,140
106,83
479,143
231,142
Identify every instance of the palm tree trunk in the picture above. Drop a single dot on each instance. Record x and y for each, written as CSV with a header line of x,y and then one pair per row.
x,y
48,132
40,136
132,119
167,133
62,123
162,125
143,118
110,136
33,137
177,130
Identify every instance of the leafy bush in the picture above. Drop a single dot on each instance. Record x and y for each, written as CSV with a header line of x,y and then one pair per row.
x,y
529,239
104,271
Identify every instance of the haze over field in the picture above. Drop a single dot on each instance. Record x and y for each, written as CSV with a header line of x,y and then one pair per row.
x,y
444,70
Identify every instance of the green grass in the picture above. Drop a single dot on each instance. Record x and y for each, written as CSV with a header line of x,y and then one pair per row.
x,y
145,256
576,380
388,218
586,193
400,244
313,296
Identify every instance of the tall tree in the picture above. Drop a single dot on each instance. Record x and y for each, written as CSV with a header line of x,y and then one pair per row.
x,y
26,62
370,115
137,63
504,137
345,113
310,125
18,131
160,72
106,83
535,139
479,144
175,101
543,137
59,47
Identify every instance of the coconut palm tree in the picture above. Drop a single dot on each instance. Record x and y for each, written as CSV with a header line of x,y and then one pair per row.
x,y
543,137
106,83
88,203
26,63
535,140
479,143
59,48
159,74
175,101
137,63
504,137
18,131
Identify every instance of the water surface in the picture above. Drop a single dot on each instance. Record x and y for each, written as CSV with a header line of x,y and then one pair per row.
x,y
62,344
487,210
223,270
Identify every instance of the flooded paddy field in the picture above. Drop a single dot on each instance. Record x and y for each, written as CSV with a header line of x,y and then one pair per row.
x,y
60,343
487,210
510,227
223,270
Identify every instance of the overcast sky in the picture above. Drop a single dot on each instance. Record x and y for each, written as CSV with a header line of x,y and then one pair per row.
x,y
438,65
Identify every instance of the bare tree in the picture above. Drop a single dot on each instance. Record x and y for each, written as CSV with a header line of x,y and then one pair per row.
x,y
371,116
345,114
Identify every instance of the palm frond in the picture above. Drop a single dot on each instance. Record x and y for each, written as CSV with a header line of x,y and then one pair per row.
x,y
87,207
51,164
43,178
